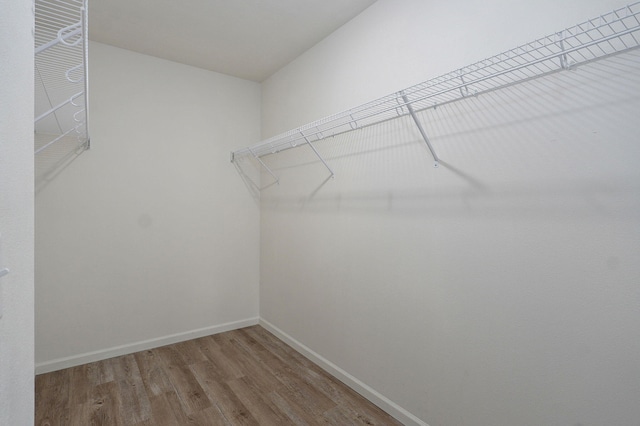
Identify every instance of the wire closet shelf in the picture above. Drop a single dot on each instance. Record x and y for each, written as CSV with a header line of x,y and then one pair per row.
x,y
597,38
61,80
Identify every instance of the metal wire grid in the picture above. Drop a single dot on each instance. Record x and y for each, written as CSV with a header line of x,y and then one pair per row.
x,y
596,38
61,80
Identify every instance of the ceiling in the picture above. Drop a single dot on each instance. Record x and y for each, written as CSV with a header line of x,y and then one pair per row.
x,y
250,39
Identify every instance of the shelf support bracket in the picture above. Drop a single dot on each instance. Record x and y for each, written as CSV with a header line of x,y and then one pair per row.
x,y
565,63
265,166
63,35
421,129
317,153
464,89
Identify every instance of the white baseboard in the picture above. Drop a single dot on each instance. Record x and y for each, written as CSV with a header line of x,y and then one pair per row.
x,y
366,391
371,394
72,361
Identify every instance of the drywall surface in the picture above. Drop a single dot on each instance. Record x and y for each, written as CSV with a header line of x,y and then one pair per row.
x,y
393,45
16,214
499,289
150,233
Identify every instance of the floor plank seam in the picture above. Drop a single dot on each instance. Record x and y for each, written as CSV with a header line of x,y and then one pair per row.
x,y
240,377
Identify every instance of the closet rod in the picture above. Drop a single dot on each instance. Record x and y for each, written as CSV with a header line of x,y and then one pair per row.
x,y
597,38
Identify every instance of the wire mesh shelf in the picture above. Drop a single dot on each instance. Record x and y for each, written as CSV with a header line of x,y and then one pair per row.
x,y
597,38
61,81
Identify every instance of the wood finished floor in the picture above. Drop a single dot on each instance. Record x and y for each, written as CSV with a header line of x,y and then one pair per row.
x,y
241,377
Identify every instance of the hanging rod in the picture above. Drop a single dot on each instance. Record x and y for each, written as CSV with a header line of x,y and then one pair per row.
x,y
597,38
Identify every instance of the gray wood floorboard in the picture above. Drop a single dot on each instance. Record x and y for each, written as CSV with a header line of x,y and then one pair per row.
x,y
241,377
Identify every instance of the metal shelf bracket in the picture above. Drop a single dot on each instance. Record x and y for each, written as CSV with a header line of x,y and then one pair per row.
x,y
565,63
420,128
317,153
265,166
612,33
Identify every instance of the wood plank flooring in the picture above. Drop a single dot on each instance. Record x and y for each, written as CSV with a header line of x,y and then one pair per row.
x,y
241,377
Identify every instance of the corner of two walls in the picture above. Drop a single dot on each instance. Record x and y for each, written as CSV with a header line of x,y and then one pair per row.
x,y
498,289
493,291
173,234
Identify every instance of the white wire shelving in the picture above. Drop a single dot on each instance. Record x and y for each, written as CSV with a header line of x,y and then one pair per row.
x,y
61,80
597,38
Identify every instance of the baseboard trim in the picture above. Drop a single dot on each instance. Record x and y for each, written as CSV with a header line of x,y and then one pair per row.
x,y
366,391
72,361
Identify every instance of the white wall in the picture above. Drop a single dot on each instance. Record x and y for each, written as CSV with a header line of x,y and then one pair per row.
x,y
150,236
16,213
395,44
497,290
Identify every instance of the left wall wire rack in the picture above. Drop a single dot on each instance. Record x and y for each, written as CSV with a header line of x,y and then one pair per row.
x,y
61,73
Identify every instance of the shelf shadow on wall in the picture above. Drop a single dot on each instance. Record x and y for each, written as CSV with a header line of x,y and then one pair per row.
x,y
563,147
568,202
51,163
569,136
